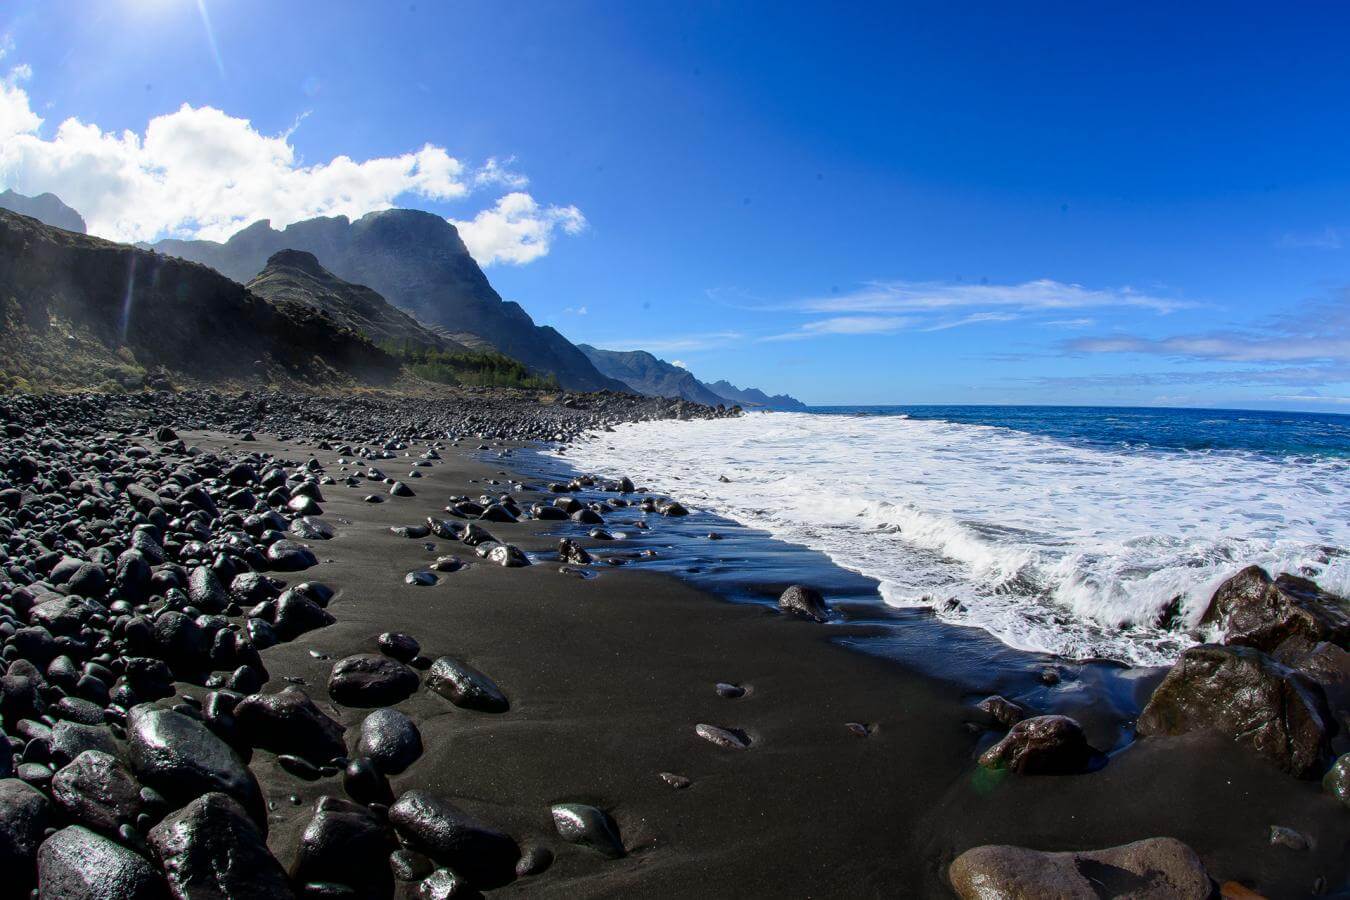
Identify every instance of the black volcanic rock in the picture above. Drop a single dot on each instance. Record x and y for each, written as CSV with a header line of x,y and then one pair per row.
x,y
70,299
754,397
294,277
648,375
417,261
46,208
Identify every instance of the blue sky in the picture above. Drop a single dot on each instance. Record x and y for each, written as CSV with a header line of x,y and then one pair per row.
x,y
973,203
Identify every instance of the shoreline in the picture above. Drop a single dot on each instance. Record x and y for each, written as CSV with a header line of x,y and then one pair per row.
x,y
861,776
807,780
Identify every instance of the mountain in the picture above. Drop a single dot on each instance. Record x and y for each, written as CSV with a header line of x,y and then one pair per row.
x,y
79,311
294,277
648,375
754,397
417,261
46,208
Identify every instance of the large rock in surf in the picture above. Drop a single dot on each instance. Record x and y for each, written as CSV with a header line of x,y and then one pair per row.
x,y
1242,694
1042,745
211,849
1153,869
805,602
1254,610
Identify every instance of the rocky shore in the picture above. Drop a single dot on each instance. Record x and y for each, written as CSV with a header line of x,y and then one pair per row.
x,y
268,646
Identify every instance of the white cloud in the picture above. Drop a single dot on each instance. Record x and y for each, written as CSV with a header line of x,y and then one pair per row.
x,y
973,319
576,310
199,172
1041,294
846,325
686,343
1233,347
1327,239
517,229
679,363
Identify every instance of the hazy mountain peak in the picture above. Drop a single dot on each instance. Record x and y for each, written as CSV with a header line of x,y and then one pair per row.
x,y
46,208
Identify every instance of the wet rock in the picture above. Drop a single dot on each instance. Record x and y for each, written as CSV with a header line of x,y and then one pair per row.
x,y
1337,780
726,738
805,602
1042,745
1152,869
728,690
589,826
1288,838
571,552
288,556
365,783
78,864
420,578
442,884
1242,694
97,790
409,865
297,614
465,686
678,782
508,556
1002,710
399,489
1254,610
24,813
345,843
368,679
447,564
70,739
182,759
311,528
400,646
206,592
289,722
390,740
452,838
533,861
211,849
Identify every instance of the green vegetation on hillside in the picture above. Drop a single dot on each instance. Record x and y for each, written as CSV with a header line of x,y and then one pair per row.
x,y
475,368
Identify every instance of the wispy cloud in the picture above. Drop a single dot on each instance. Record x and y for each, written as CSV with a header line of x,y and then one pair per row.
x,y
1071,323
1290,376
1029,296
683,343
1327,239
846,325
973,319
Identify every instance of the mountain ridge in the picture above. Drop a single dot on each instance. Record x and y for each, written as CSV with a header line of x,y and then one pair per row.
x,y
646,374
418,262
47,208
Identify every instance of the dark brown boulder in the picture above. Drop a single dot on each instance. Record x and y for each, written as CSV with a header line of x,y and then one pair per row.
x,y
1042,745
1153,869
1247,696
1253,610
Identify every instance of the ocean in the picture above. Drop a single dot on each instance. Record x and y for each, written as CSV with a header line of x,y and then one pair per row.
x,y
1066,530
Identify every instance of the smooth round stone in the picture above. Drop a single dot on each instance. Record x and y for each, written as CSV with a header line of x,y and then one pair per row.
x,y
420,578
390,739
402,647
78,864
589,826
727,738
729,691
465,686
533,861
369,679
678,782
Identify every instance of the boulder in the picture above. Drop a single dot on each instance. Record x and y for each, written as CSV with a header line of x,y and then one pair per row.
x,y
289,722
182,759
450,836
345,843
79,864
211,850
97,790
1153,869
24,813
371,679
1042,745
390,740
1244,695
1337,780
805,602
465,686
1254,610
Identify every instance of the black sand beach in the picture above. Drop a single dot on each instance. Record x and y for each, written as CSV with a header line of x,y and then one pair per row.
x,y
860,778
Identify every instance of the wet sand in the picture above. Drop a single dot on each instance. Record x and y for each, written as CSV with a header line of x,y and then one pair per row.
x,y
608,676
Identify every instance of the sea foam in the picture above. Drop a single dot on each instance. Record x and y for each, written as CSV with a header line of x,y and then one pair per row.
x,y
1050,546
